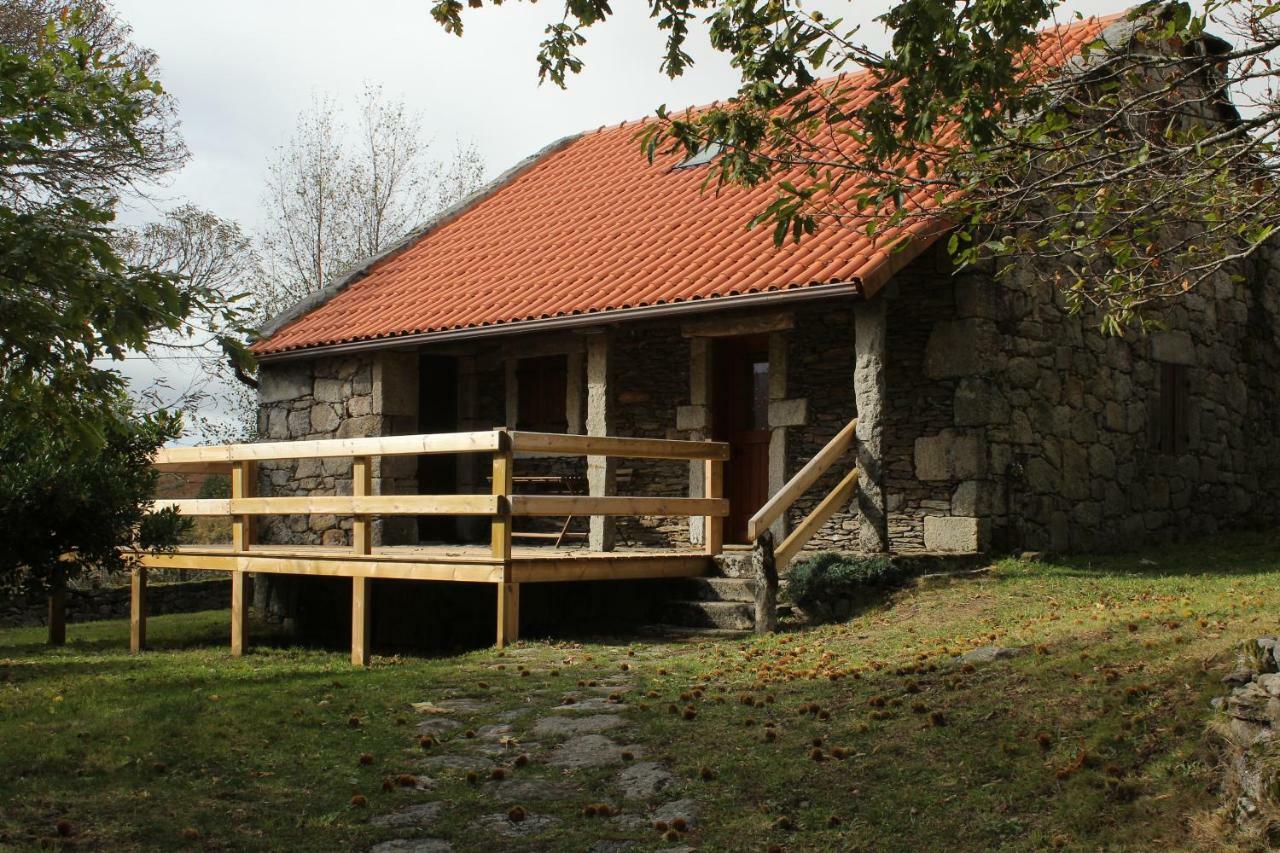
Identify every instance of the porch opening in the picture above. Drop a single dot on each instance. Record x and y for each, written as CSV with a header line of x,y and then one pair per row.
x,y
740,417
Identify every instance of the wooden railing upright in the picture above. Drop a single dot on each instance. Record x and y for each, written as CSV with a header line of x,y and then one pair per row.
x,y
797,486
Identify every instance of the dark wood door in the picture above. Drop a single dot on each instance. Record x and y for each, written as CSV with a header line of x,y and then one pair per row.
x,y
437,412
740,416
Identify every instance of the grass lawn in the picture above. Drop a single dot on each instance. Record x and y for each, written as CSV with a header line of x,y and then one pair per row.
x,y
1092,739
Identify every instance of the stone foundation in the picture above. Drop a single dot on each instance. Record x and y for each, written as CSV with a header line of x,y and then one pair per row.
x,y
112,602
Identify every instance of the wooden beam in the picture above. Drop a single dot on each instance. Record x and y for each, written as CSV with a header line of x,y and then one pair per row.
x,y
397,445
361,488
561,505
508,614
58,609
805,530
239,615
330,565
361,621
500,526
243,475
609,445
757,324
138,610
336,505
611,567
713,525
802,481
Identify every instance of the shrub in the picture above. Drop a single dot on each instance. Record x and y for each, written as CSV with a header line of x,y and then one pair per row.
x,y
819,583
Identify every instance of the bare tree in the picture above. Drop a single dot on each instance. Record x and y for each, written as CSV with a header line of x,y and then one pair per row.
x,y
192,374
337,195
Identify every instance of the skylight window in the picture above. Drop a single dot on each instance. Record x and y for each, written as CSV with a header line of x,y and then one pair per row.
x,y
708,153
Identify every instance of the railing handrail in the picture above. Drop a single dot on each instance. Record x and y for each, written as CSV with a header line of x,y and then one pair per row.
x,y
783,499
485,441
572,444
218,456
501,502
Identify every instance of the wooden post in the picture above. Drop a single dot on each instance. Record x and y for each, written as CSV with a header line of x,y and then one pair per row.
x,y
500,543
508,613
58,608
361,544
242,486
239,615
713,487
361,633
243,475
361,486
138,610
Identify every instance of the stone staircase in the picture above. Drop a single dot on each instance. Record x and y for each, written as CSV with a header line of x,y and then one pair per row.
x,y
725,604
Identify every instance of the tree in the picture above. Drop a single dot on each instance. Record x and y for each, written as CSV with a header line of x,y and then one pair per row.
x,y
337,196
66,296
83,121
1127,170
66,512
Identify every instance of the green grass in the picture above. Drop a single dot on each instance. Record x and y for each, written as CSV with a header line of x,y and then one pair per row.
x,y
1094,739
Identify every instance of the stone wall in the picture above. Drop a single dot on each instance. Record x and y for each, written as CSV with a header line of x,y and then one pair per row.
x,y
820,364
338,397
1074,463
1016,424
651,380
1249,731
92,604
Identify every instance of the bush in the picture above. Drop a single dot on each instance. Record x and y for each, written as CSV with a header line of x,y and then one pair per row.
x,y
829,584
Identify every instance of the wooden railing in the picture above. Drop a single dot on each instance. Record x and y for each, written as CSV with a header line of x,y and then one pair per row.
x,y
838,498
500,506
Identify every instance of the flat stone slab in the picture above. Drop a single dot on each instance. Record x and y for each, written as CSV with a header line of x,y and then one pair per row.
x,y
588,751
413,845
500,824
987,654
495,732
687,809
437,726
566,726
610,846
453,706
419,815
643,780
530,790
588,705
462,763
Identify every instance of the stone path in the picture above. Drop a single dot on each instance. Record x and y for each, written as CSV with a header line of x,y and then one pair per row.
x,y
529,761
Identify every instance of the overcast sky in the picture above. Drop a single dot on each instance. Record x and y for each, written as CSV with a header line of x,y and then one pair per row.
x,y
242,70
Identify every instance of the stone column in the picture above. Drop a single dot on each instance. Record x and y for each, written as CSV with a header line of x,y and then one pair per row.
x,y
869,397
778,425
696,418
601,470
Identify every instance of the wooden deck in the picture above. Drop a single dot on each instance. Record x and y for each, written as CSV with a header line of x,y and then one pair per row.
x,y
499,562
463,563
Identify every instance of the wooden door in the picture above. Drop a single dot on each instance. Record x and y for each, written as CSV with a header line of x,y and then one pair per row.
x,y
740,416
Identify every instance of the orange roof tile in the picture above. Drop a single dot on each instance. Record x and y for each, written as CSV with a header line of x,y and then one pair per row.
x,y
589,226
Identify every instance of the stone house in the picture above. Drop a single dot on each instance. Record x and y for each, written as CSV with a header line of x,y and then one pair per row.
x,y
587,291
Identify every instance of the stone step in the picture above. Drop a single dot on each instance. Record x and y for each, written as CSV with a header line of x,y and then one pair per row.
x,y
730,615
734,564
719,589
685,632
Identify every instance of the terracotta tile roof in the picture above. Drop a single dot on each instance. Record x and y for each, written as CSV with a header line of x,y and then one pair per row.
x,y
589,226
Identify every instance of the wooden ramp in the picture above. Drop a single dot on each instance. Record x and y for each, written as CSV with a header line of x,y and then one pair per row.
x,y
498,563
